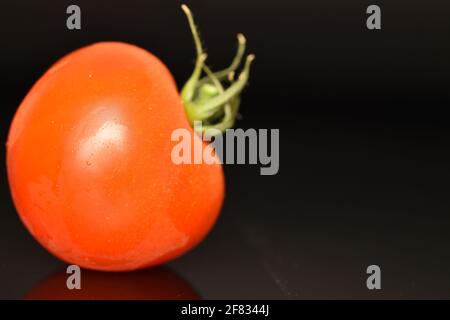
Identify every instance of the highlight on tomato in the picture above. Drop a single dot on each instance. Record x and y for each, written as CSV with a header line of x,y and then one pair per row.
x,y
89,155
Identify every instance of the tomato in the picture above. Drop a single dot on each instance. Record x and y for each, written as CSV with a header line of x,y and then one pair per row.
x,y
89,166
89,155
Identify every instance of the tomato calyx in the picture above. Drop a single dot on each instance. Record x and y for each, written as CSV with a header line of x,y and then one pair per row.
x,y
215,98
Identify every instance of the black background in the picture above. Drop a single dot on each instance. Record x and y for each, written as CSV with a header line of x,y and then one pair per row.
x,y
364,161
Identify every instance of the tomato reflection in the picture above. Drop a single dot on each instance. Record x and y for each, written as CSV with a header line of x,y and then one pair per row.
x,y
158,283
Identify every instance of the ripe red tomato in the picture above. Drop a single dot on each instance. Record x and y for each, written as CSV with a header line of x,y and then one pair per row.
x,y
89,162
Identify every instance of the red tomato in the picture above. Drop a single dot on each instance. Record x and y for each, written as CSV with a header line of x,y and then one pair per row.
x,y
89,163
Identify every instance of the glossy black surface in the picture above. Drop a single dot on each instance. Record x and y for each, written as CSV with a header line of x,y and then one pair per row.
x,y
341,202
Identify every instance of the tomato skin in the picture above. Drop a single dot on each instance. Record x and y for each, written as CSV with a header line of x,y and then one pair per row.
x,y
89,167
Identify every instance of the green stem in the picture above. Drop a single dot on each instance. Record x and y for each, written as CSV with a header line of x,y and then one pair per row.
x,y
224,74
188,91
214,103
208,99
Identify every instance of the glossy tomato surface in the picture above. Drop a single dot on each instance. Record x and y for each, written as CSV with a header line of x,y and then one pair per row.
x,y
89,162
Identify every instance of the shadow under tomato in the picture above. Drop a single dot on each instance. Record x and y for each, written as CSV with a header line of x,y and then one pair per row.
x,y
158,283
